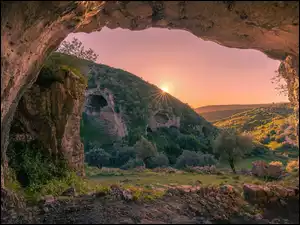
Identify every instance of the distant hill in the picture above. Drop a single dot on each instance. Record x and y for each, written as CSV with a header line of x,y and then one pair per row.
x,y
213,113
272,126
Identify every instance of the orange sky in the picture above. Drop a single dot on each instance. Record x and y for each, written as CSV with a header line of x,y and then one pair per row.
x,y
195,71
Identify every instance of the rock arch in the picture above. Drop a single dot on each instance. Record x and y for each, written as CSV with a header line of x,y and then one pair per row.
x,y
31,30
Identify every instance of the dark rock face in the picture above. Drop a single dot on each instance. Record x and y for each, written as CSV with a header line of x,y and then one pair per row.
x,y
51,114
31,30
100,104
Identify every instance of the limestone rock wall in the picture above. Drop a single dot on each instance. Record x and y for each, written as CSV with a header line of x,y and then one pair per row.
x,y
105,111
163,119
289,70
50,112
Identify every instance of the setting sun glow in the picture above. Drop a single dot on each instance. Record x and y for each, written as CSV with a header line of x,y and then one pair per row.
x,y
165,89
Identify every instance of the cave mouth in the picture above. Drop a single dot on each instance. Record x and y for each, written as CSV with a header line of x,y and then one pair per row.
x,y
149,130
97,102
161,118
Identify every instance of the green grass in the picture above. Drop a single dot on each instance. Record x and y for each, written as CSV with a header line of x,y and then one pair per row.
x,y
148,179
56,187
247,162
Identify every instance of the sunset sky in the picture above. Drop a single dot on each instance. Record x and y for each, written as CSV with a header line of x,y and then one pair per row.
x,y
195,71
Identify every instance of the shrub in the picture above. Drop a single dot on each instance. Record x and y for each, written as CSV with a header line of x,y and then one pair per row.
x,y
33,165
191,142
121,155
259,150
292,166
208,159
191,158
161,160
132,163
98,157
145,150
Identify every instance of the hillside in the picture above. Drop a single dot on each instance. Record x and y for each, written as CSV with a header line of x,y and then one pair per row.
x,y
116,116
272,126
213,113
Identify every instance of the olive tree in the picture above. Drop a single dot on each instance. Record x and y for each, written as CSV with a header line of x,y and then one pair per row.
x,y
231,146
145,150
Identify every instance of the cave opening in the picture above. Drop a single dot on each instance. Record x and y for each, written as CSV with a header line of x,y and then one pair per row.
x,y
97,102
161,118
149,130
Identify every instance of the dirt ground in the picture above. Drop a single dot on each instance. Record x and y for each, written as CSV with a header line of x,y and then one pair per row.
x,y
175,207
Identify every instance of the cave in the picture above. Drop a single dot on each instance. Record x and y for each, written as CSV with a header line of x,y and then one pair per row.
x,y
268,26
149,130
161,118
96,102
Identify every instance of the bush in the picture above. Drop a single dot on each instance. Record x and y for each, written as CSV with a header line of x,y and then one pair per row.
x,y
191,142
161,160
98,157
145,150
121,155
33,165
292,166
259,150
208,160
132,163
231,147
191,158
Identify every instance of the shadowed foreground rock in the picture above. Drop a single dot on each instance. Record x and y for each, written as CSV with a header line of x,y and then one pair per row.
x,y
204,205
50,112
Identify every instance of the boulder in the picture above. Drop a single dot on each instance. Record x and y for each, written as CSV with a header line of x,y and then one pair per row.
x,y
262,169
268,194
48,199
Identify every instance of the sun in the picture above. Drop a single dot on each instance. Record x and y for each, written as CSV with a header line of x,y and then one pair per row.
x,y
165,89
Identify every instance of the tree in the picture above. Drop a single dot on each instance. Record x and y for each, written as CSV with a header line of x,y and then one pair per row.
x,y
76,48
231,147
145,149
98,157
160,160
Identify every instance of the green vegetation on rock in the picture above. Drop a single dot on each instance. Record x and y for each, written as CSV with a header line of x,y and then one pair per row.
x,y
136,105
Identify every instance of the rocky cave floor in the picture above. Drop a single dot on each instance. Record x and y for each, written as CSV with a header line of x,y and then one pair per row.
x,y
175,207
